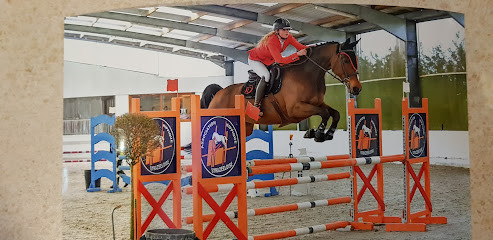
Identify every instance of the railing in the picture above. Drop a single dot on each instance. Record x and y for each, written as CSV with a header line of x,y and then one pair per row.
x,y
82,127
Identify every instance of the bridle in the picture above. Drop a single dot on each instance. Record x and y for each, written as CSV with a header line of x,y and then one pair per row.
x,y
345,80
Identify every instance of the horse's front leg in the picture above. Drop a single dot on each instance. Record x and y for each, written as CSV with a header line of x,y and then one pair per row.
x,y
335,120
304,110
248,128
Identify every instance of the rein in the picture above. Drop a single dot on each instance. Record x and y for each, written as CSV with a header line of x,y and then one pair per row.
x,y
344,81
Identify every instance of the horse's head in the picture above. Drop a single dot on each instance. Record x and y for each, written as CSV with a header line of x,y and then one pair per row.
x,y
345,65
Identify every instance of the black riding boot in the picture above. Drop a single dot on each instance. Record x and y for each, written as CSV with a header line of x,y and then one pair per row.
x,y
260,93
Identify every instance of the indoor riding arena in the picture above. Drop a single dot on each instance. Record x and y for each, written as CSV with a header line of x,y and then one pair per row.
x,y
364,124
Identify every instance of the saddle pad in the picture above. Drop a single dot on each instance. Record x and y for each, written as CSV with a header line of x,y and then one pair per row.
x,y
249,88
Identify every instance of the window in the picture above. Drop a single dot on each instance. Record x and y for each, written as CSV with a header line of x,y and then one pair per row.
x,y
162,102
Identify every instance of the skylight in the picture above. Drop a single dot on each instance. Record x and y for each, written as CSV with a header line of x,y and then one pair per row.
x,y
80,20
184,33
267,4
148,30
111,24
216,19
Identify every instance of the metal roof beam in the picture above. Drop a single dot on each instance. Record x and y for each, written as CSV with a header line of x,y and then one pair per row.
x,y
238,55
284,8
458,17
320,33
419,16
197,55
392,24
225,11
237,36
424,15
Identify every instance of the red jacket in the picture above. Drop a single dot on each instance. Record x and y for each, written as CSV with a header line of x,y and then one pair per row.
x,y
271,52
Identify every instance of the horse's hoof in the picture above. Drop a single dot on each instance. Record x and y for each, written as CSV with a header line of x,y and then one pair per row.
x,y
329,135
309,134
319,136
319,139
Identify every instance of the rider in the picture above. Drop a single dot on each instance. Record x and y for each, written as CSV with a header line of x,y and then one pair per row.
x,y
268,51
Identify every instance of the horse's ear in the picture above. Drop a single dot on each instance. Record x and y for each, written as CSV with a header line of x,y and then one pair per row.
x,y
352,45
346,43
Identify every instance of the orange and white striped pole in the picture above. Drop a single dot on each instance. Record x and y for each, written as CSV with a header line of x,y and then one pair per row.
x,y
290,167
277,209
274,183
263,162
301,231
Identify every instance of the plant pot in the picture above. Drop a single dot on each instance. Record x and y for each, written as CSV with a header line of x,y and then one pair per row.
x,y
87,175
169,234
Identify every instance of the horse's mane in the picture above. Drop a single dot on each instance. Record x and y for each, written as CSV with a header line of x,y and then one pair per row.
x,y
315,45
312,47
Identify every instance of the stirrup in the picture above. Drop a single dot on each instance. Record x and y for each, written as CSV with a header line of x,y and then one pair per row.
x,y
261,113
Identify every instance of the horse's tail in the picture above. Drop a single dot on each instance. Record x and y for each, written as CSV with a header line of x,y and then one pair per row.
x,y
206,99
208,94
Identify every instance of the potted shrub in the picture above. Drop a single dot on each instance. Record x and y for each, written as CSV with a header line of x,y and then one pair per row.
x,y
140,135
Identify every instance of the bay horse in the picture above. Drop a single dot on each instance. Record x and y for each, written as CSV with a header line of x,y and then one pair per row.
x,y
302,92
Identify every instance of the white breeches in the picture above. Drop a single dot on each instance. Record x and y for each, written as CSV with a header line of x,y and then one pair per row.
x,y
260,69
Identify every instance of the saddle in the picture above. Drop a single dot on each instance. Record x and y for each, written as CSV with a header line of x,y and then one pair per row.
x,y
273,86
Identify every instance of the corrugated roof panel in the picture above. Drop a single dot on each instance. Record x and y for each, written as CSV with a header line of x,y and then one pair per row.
x,y
220,42
167,16
209,23
176,11
253,28
147,30
177,36
305,13
250,7
80,20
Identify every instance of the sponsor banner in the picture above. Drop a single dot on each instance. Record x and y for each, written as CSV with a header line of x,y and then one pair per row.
x,y
220,146
417,135
163,159
367,130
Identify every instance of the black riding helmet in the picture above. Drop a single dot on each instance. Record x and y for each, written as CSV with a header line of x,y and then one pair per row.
x,y
281,23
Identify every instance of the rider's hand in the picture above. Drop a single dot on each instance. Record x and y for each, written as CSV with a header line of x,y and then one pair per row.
x,y
301,52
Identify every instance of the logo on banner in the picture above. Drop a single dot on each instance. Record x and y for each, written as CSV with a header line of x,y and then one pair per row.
x,y
367,139
417,135
220,145
164,156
